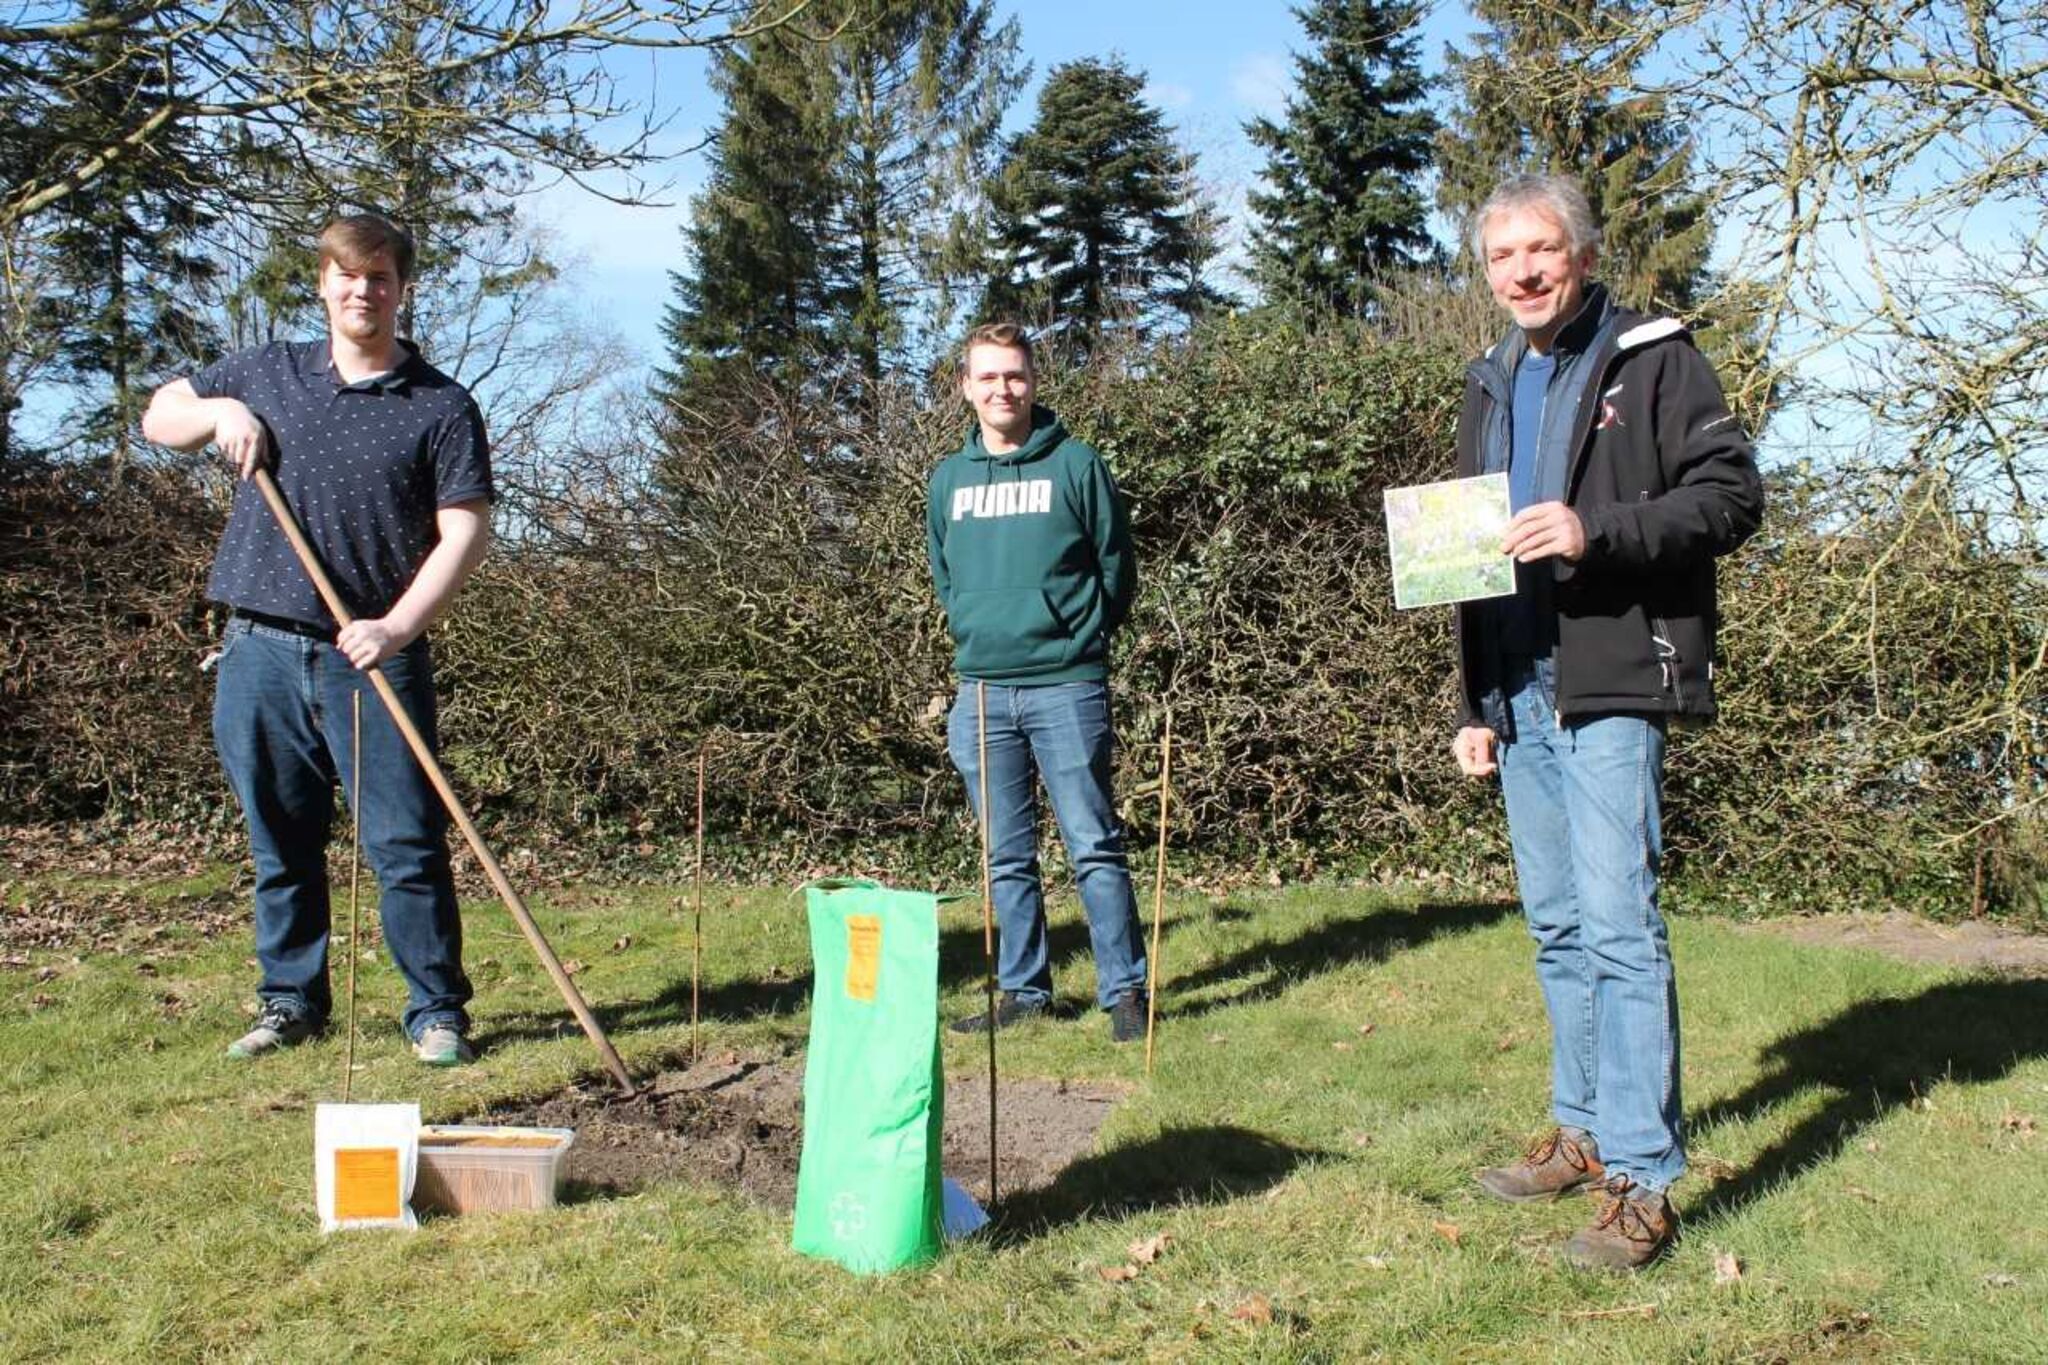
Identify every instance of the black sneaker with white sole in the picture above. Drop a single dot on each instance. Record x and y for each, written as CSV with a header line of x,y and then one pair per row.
x,y
1010,1009
277,1027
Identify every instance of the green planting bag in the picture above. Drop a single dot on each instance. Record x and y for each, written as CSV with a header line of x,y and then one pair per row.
x,y
867,1186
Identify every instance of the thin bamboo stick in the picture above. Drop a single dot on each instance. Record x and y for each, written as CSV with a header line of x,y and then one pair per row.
x,y
1158,890
697,924
355,884
988,926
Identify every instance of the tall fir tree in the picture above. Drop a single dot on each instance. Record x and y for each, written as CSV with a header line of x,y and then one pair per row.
x,y
921,89
1549,87
1097,215
757,288
130,282
1344,203
844,206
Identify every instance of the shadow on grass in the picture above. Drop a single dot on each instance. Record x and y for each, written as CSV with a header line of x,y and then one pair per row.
x,y
726,1002
1371,937
1209,1164
1279,964
1874,1057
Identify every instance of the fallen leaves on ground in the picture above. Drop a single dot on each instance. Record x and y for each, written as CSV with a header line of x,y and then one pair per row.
x,y
1146,1250
1257,1310
1727,1268
2018,1123
1450,1232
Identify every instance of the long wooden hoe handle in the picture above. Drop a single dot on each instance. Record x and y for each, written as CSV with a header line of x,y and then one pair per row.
x,y
574,998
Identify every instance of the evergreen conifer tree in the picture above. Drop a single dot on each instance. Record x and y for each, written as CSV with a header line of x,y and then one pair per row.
x,y
1548,88
130,284
845,198
1344,202
1095,210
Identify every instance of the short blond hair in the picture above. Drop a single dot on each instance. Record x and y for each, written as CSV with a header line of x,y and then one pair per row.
x,y
1007,334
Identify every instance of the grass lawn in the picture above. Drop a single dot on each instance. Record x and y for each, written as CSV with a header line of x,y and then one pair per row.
x,y
1870,1141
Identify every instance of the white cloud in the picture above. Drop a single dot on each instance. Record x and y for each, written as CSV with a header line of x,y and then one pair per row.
x,y
1170,96
1262,82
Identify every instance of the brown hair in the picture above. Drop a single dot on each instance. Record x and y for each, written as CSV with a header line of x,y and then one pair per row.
x,y
352,241
1008,334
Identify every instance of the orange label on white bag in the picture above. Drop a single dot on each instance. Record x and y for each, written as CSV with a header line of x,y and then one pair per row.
x,y
366,1182
863,956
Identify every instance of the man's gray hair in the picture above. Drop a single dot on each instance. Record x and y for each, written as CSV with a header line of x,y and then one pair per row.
x,y
1558,196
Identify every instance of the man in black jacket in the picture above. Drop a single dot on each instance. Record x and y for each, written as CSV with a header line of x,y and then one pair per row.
x,y
1628,476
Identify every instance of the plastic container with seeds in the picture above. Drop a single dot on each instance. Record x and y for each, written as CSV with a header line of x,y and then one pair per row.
x,y
467,1168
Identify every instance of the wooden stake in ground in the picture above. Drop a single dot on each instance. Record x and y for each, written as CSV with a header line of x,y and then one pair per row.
x,y
289,524
697,926
355,883
988,924
1158,890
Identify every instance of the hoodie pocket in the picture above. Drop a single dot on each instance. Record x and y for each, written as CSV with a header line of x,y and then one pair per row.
x,y
1007,630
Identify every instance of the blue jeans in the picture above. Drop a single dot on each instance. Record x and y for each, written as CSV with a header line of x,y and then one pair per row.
x,y
1583,802
282,725
1059,733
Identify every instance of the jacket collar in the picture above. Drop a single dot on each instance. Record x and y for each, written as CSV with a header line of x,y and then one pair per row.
x,y
1574,338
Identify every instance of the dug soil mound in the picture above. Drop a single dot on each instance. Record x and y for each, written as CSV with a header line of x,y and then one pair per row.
x,y
738,1121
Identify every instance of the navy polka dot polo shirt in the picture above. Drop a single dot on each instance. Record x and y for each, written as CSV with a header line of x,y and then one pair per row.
x,y
364,466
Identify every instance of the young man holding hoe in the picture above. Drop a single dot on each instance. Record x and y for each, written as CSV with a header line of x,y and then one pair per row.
x,y
384,461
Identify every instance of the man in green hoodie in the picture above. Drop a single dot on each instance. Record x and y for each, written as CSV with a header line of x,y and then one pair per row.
x,y
1031,554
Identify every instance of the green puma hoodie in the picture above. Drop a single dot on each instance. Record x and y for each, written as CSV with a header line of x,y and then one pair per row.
x,y
1031,554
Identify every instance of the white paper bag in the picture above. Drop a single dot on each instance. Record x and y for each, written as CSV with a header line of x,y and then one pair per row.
x,y
364,1159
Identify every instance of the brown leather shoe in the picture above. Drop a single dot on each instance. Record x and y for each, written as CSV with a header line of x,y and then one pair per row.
x,y
1633,1228
1553,1165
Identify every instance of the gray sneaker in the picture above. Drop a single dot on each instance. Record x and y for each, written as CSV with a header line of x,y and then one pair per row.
x,y
276,1028
443,1045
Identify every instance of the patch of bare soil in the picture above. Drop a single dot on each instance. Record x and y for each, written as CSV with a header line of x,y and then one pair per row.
x,y
738,1121
1973,944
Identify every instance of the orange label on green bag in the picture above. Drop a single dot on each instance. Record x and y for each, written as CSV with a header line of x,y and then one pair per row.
x,y
863,955
366,1182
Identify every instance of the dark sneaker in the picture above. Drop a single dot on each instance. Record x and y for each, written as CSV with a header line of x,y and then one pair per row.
x,y
276,1028
1553,1165
1127,1018
1010,1009
443,1045
1633,1228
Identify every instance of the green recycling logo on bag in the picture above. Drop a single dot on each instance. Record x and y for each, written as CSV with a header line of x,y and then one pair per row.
x,y
868,1186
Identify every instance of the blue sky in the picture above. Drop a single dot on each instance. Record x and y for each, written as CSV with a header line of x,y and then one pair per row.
x,y
1211,64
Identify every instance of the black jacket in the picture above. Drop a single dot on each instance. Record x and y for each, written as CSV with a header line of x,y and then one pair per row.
x,y
1664,481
